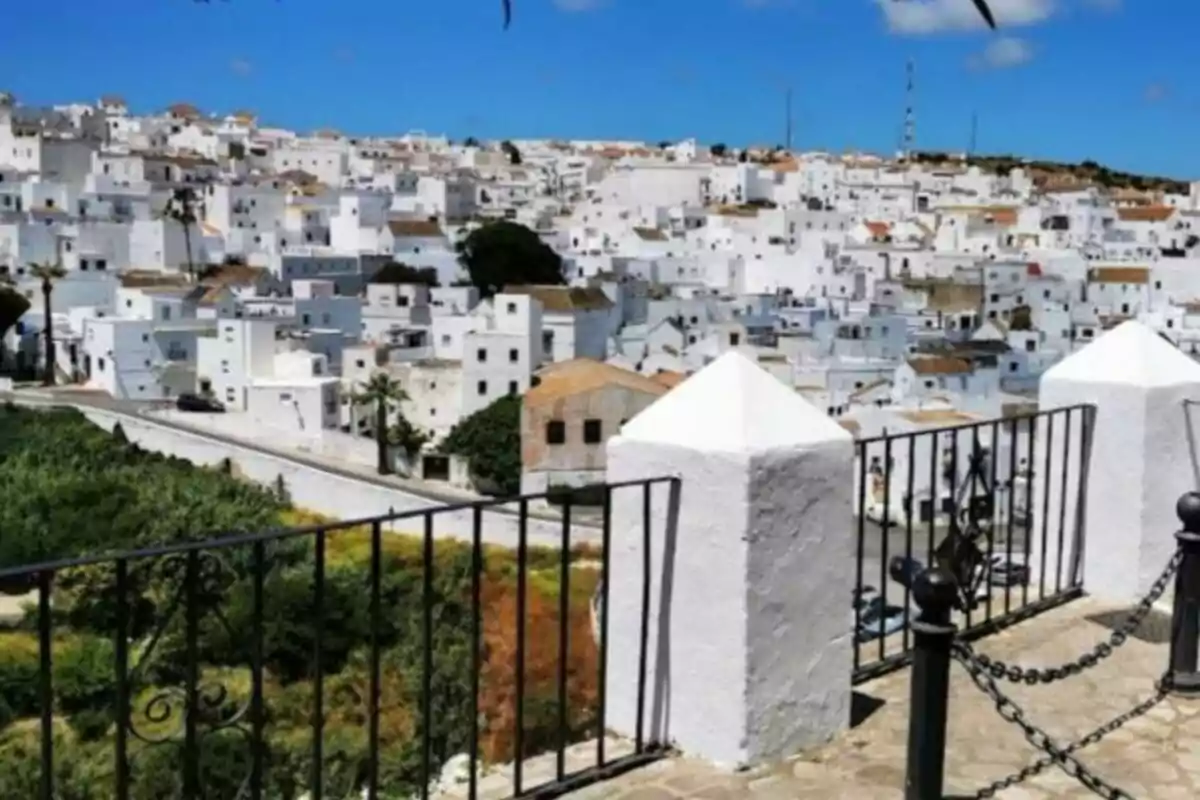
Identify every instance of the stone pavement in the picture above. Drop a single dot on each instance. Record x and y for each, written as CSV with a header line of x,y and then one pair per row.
x,y
1155,757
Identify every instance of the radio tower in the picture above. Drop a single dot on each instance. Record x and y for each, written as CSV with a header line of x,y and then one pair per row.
x,y
906,146
787,130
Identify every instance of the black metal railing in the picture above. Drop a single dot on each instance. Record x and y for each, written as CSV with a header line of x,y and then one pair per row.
x,y
939,643
1010,489
338,660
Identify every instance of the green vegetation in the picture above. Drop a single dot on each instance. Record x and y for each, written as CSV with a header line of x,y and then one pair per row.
x,y
491,440
503,253
71,489
1086,171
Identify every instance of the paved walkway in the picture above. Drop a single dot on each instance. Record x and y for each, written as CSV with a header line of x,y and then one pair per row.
x,y
1155,757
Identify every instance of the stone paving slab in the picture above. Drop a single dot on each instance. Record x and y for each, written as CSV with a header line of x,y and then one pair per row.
x,y
1156,757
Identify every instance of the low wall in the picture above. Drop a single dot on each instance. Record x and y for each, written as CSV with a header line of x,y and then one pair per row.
x,y
326,492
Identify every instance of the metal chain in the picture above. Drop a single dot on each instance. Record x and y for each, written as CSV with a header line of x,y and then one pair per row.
x,y
1056,755
1035,675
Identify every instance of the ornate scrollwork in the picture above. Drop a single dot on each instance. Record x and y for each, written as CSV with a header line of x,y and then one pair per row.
x,y
162,717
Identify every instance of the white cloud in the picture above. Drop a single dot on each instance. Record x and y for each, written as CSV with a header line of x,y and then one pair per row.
x,y
936,16
578,5
1003,53
240,66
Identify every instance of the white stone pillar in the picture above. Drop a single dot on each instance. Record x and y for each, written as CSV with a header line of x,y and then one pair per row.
x,y
749,648
1141,460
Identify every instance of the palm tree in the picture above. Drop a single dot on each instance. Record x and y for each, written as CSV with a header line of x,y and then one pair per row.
x,y
384,392
182,208
48,273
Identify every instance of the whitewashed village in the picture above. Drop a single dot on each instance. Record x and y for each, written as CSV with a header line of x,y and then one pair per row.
x,y
193,260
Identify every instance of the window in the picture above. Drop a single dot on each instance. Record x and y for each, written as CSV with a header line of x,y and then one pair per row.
x,y
513,388
735,339
481,387
481,354
1030,346
360,363
230,395
514,356
145,337
556,432
285,397
305,319
592,430
511,308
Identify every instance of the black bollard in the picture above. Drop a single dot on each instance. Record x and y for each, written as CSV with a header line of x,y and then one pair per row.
x,y
935,591
1185,617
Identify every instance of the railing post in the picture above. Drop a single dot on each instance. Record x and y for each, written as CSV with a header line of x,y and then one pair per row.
x,y
935,591
1185,618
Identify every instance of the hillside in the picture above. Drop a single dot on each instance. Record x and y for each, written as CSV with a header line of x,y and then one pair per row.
x,y
1059,173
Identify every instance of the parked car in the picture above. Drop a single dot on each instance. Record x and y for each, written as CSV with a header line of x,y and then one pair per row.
x,y
1005,570
195,402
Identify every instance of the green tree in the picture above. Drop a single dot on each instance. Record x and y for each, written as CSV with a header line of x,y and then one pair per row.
x,y
510,149
47,273
470,141
13,306
1021,319
182,208
384,393
506,253
491,440
718,150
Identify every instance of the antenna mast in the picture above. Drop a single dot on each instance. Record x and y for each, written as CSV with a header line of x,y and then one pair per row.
x,y
909,122
787,130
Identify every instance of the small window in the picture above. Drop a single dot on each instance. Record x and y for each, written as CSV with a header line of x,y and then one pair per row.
x,y
481,354
481,387
511,308
556,432
513,388
230,395
285,397
735,339
592,431
514,355
360,363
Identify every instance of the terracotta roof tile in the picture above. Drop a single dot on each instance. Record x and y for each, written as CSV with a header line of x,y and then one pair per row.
x,y
1145,214
940,365
415,227
569,378
1139,275
650,234
565,298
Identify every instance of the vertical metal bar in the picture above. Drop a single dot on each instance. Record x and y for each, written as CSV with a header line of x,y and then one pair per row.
x,y
1046,504
476,644
258,719
121,653
1185,622
1078,535
993,508
522,580
639,737
860,551
935,495
564,633
1062,503
605,581
191,741
1030,439
908,537
427,659
885,536
1012,509
46,682
318,709
930,686
373,703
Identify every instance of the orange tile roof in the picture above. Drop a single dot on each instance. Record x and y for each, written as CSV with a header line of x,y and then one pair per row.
x,y
415,227
878,229
569,378
1145,214
650,234
1139,275
939,365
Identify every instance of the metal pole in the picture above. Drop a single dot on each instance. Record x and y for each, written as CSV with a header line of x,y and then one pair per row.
x,y
1185,619
935,591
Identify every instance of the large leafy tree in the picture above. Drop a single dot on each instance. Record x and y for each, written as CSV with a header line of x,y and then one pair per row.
x,y
384,393
505,253
491,440
47,273
12,306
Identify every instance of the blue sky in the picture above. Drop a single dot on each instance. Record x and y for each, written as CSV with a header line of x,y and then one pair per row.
x,y
1069,79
